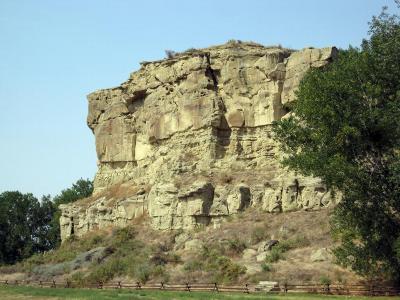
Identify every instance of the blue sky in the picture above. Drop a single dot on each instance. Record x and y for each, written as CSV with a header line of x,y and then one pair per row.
x,y
53,53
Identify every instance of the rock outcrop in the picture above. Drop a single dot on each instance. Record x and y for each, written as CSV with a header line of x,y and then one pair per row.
x,y
187,140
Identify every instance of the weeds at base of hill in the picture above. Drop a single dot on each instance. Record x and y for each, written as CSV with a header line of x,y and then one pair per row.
x,y
213,261
325,280
258,234
140,254
68,250
133,258
266,267
235,246
277,252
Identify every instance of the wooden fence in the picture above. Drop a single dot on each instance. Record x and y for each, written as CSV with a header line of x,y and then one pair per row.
x,y
343,289
333,289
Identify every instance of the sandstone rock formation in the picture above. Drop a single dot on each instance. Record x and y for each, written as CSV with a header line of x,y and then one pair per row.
x,y
187,140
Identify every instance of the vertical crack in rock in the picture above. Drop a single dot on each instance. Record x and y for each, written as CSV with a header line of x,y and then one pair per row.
x,y
210,72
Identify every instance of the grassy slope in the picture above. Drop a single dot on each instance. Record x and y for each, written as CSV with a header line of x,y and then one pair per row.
x,y
146,254
48,293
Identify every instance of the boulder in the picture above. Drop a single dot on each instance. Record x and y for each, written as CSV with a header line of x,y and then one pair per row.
x,y
194,245
239,199
266,286
249,254
322,254
267,245
82,260
251,267
181,239
261,256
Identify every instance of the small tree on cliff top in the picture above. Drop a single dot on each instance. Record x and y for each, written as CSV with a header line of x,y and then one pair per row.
x,y
346,130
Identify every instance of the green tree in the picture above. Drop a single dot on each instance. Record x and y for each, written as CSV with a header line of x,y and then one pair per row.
x,y
345,129
81,189
24,225
29,226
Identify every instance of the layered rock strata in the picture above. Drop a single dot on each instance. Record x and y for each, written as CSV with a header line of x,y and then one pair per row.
x,y
187,140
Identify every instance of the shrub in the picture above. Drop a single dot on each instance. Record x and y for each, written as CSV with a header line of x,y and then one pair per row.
x,y
234,42
275,254
191,50
265,267
173,258
299,242
226,270
236,246
93,241
120,236
107,270
31,262
213,260
143,272
78,279
51,270
258,234
66,252
160,272
278,250
212,251
159,259
163,247
161,253
9,269
325,280
193,265
170,53
162,258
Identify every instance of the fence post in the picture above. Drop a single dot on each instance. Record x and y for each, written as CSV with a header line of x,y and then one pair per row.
x,y
246,289
67,284
162,286
188,286
216,287
53,285
16,282
138,287
119,285
285,287
6,282
100,284
40,283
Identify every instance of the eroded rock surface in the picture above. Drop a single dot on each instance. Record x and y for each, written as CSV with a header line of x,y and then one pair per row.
x,y
187,140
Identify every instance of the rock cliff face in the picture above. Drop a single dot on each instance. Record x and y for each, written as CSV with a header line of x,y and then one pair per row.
x,y
187,140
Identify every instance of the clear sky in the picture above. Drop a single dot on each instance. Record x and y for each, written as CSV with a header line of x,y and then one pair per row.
x,y
53,53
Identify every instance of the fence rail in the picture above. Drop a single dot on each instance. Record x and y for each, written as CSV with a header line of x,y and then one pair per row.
x,y
334,289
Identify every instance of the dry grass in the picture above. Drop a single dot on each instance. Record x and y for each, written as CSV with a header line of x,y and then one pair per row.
x,y
239,231
240,176
114,193
296,266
